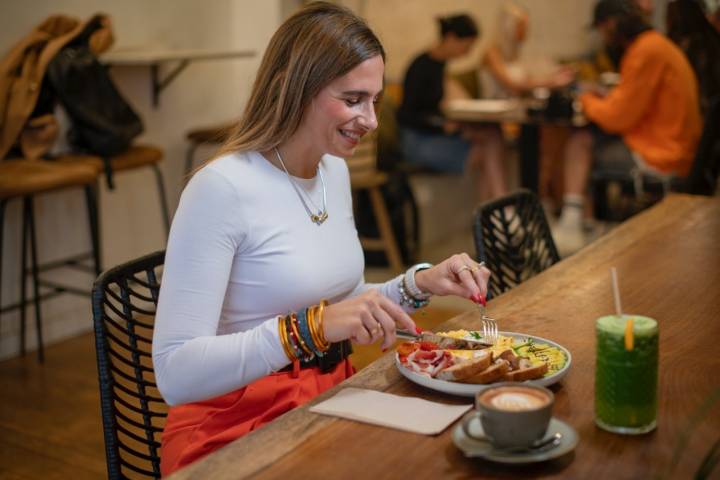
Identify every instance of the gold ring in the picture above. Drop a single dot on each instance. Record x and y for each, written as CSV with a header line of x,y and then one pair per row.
x,y
462,269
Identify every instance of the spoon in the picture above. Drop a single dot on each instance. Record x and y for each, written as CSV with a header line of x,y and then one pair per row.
x,y
544,445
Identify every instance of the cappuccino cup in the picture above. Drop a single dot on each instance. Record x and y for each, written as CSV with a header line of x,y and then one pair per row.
x,y
512,415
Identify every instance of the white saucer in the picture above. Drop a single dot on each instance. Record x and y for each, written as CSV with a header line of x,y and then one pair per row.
x,y
482,449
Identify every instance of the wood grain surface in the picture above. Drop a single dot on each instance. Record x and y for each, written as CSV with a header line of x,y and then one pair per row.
x,y
668,260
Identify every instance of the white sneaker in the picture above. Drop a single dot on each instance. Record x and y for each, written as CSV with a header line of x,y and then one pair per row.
x,y
568,238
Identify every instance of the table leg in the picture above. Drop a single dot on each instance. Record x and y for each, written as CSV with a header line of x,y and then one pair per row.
x,y
529,151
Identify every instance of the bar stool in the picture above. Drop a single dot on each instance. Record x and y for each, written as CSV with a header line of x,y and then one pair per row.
x,y
204,136
365,176
24,179
137,156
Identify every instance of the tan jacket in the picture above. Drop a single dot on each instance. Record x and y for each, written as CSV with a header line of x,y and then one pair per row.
x,y
21,74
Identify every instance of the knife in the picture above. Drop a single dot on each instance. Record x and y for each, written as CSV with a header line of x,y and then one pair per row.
x,y
444,341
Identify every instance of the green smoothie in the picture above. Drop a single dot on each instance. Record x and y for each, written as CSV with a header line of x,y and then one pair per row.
x,y
626,380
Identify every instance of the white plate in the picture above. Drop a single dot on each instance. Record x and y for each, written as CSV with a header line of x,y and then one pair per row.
x,y
482,449
469,390
483,105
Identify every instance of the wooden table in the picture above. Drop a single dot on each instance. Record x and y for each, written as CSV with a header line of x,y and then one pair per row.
x,y
471,112
668,260
510,110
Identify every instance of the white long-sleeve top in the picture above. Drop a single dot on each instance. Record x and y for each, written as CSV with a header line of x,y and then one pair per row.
x,y
242,251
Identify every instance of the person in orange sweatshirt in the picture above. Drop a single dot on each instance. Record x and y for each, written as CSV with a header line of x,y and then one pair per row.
x,y
650,120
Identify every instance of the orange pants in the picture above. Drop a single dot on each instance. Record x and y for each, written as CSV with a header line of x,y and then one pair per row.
x,y
195,429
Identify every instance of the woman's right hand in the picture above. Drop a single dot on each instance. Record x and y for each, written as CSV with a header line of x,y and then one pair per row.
x,y
365,319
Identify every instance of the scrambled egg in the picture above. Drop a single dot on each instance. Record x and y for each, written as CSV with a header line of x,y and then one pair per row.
x,y
537,353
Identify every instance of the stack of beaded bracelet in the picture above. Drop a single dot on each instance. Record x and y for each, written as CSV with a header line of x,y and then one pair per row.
x,y
302,335
409,300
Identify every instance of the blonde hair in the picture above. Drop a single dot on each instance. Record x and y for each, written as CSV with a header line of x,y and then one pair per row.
x,y
509,17
312,48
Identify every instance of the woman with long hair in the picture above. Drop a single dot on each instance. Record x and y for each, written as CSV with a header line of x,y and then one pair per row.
x,y
503,74
263,285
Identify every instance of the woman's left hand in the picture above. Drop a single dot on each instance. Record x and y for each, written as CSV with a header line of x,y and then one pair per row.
x,y
458,275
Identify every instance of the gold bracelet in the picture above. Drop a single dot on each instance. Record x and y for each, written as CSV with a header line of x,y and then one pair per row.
x,y
312,323
321,318
284,339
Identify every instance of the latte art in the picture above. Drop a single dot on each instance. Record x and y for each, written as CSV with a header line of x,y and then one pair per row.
x,y
516,401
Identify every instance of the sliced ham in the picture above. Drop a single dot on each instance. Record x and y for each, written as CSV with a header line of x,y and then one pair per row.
x,y
429,362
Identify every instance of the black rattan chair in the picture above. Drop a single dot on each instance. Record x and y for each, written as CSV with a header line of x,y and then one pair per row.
x,y
513,238
124,300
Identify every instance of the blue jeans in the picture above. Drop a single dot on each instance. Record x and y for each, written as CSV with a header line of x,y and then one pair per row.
x,y
439,152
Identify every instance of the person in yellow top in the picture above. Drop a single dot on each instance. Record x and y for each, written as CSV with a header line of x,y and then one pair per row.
x,y
650,120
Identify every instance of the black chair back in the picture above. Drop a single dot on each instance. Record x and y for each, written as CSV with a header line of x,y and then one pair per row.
x,y
513,238
124,300
703,176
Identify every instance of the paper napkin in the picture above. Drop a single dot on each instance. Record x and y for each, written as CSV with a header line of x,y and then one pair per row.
x,y
388,410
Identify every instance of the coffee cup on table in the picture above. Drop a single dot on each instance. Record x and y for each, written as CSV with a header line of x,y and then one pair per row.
x,y
512,415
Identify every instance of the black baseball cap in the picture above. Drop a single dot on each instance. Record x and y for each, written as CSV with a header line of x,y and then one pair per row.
x,y
605,9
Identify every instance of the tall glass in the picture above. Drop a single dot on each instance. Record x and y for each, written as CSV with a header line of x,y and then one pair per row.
x,y
626,375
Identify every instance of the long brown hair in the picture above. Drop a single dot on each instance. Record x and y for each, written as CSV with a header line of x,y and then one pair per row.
x,y
312,48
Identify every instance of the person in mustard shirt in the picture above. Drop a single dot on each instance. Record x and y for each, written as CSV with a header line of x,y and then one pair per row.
x,y
649,121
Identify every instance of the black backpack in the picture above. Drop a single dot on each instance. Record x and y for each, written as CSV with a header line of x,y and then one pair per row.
x,y
103,123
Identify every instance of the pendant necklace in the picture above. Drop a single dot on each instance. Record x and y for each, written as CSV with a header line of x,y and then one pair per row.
x,y
321,215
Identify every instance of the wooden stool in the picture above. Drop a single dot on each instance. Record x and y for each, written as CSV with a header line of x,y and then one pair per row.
x,y
137,156
204,136
365,176
24,179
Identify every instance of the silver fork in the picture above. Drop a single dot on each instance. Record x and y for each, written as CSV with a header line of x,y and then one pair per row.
x,y
489,325
489,329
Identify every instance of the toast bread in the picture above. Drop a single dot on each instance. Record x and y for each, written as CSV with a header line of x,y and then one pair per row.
x,y
466,368
494,372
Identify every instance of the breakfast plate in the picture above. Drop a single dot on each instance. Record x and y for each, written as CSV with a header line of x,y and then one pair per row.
x,y
469,390
481,449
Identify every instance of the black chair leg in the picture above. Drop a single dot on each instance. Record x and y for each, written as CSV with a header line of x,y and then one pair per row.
x,y
35,278
91,201
23,275
163,197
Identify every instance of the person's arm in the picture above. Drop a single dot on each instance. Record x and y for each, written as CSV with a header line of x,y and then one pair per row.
x,y
192,362
625,105
456,275
495,62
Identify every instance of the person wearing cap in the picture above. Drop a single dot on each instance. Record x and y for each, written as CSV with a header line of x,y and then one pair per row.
x,y
649,121
430,140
